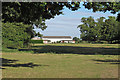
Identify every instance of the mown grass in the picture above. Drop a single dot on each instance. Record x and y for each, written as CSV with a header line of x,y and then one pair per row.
x,y
85,45
86,49
25,64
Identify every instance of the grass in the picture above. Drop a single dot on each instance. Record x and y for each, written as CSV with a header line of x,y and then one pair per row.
x,y
84,45
66,64
86,49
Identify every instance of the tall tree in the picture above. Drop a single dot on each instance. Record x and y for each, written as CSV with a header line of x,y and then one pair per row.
x,y
100,30
34,12
88,29
16,35
111,29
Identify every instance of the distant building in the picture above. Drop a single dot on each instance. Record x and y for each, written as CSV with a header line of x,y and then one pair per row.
x,y
55,39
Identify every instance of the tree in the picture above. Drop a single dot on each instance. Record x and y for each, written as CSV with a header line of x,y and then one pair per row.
x,y
117,36
34,12
103,6
113,7
118,17
31,12
77,40
111,29
102,30
88,29
16,35
39,35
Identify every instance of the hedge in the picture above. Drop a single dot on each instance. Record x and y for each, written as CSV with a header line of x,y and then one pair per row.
x,y
36,41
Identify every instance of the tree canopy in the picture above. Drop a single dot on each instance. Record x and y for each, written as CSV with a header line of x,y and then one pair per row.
x,y
37,12
113,7
16,35
34,12
30,12
101,30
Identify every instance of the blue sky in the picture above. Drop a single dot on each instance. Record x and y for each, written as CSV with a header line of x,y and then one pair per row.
x,y
66,25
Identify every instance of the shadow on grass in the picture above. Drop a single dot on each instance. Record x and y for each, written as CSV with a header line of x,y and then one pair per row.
x,y
73,50
11,63
107,60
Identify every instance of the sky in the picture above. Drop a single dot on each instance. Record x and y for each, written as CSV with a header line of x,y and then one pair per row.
x,y
66,25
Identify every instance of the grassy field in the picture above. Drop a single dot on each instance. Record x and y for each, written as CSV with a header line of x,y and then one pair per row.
x,y
61,61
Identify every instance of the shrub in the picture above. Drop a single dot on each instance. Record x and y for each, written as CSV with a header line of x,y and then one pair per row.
x,y
36,41
84,42
16,35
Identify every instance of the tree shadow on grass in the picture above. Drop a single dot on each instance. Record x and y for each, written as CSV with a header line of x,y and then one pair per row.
x,y
7,60
12,63
73,50
108,61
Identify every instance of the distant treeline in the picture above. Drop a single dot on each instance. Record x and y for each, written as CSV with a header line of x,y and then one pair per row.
x,y
100,30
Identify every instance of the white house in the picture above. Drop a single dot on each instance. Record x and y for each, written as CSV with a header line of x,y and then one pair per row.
x,y
54,39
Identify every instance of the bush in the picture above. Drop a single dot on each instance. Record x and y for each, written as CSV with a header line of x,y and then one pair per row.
x,y
16,35
36,41
84,42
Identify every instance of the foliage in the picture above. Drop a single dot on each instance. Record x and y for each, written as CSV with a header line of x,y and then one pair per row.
x,y
113,7
58,42
34,12
40,35
88,29
118,17
102,30
36,41
103,6
16,35
77,40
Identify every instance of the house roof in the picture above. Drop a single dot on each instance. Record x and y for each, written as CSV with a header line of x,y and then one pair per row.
x,y
46,40
56,37
67,40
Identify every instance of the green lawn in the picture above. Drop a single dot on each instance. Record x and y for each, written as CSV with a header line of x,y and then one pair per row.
x,y
62,61
85,45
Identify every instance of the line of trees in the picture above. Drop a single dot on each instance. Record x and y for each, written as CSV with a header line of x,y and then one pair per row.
x,y
99,30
